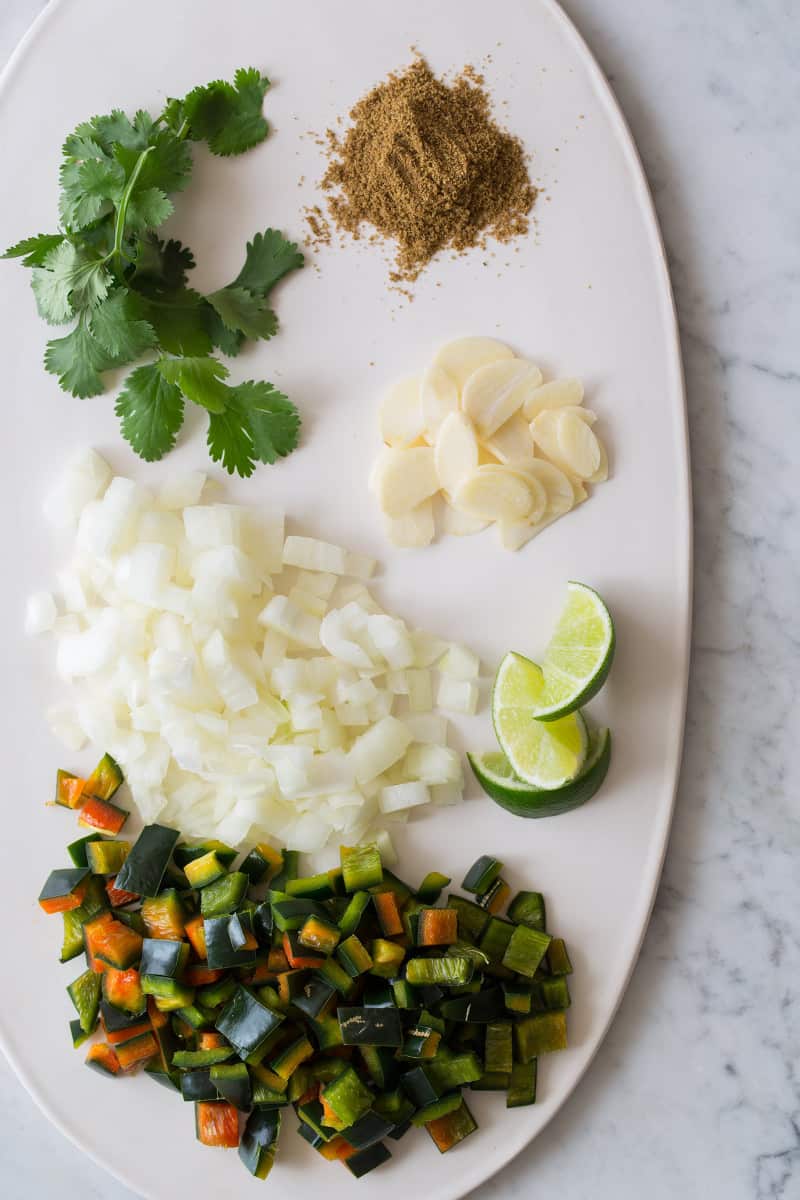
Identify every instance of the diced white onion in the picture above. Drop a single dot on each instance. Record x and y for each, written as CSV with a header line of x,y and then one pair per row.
x,y
40,613
457,695
242,699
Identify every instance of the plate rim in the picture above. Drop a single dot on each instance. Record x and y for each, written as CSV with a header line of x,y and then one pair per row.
x,y
638,178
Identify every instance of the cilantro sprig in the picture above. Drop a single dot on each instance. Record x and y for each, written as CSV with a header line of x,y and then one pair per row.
x,y
125,291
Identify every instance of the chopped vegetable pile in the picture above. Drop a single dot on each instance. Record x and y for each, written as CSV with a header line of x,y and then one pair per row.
x,y
127,289
248,683
363,1005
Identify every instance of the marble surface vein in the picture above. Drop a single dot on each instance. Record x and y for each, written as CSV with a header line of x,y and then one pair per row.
x,y
696,1090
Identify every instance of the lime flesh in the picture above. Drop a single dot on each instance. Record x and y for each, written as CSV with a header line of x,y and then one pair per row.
x,y
544,754
578,658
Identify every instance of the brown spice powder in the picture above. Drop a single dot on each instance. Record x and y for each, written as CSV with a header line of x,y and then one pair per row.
x,y
425,165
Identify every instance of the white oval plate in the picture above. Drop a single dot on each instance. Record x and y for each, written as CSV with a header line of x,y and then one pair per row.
x,y
587,294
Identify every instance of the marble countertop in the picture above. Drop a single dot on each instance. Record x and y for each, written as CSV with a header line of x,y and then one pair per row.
x,y
696,1090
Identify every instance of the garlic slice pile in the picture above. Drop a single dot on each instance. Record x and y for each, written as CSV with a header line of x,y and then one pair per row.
x,y
482,430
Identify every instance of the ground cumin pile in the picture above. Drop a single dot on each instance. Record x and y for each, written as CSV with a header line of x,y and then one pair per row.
x,y
425,165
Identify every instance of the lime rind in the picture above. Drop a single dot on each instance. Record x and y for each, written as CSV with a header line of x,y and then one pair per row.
x,y
495,775
579,656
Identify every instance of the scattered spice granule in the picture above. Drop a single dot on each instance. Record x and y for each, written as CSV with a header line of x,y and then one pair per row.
x,y
318,226
425,165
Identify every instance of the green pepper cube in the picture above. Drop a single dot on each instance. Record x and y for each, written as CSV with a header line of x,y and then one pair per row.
x,y
232,1081
144,868
347,1097
105,779
361,866
351,917
106,857
541,1033
551,995
522,1085
557,958
162,957
224,895
291,1057
84,992
221,954
495,939
319,934
518,997
205,870
528,908
499,1052
472,919
525,950
432,887
246,1022
386,958
77,849
354,957
481,875
447,972
259,1141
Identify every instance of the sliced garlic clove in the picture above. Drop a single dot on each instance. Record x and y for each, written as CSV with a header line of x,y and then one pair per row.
x,y
516,534
577,444
545,435
401,412
495,494
463,356
494,392
486,458
583,414
579,492
457,523
413,529
439,394
377,468
456,451
404,479
513,440
601,474
559,393
557,485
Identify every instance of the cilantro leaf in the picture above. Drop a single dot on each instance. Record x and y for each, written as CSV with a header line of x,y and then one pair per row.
x,y
150,409
51,292
242,312
77,360
180,320
267,259
97,187
161,267
82,144
259,424
118,331
148,207
228,116
34,250
227,340
167,166
200,380
118,129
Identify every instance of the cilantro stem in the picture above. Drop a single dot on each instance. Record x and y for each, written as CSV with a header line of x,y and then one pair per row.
x,y
122,211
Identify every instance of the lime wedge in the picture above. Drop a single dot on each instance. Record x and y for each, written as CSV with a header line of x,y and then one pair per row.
x,y
497,778
579,655
546,755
